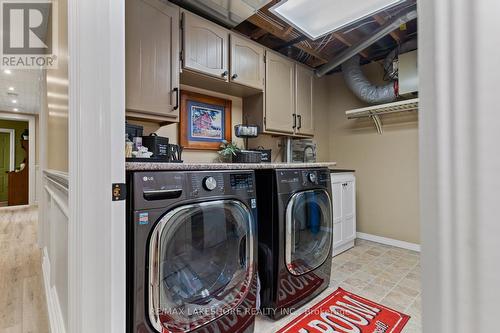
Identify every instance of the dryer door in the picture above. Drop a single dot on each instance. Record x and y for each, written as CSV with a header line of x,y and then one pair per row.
x,y
308,231
201,264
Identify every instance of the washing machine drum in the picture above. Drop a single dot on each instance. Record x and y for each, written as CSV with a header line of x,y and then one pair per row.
x,y
201,264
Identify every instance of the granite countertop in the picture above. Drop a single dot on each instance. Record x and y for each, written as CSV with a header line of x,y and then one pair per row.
x,y
138,166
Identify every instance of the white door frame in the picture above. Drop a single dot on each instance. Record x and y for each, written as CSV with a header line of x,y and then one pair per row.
x,y
96,258
459,164
12,147
31,154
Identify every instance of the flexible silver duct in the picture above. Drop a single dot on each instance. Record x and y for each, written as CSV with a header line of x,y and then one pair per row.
x,y
362,87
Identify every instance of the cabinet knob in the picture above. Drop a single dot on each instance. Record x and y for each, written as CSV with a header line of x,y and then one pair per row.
x,y
224,74
234,76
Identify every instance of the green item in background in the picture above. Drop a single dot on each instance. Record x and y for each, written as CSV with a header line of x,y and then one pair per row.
x,y
4,165
19,127
227,151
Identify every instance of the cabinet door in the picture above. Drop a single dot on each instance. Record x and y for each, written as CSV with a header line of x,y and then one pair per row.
x,y
280,98
304,81
337,189
348,211
247,63
152,57
205,46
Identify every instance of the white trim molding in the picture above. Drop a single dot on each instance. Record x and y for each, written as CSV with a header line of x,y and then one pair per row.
x,y
12,146
389,241
459,164
96,47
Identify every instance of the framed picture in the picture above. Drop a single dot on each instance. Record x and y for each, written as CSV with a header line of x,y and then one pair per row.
x,y
205,121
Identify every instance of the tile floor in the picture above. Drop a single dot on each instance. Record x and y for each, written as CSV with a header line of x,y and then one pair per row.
x,y
381,273
22,297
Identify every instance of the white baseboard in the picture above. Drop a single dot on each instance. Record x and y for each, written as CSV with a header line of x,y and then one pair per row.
x,y
389,241
56,320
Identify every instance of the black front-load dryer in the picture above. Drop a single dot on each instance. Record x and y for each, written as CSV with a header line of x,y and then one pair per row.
x,y
295,237
191,261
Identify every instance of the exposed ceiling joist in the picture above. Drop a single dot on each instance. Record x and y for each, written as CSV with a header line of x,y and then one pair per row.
x,y
282,34
347,42
394,34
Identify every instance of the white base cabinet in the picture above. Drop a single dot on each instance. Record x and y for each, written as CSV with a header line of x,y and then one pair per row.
x,y
344,211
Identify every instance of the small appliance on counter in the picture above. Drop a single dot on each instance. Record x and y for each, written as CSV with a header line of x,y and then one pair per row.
x,y
150,148
303,151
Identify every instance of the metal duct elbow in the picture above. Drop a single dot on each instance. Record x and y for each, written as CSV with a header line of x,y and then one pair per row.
x,y
362,87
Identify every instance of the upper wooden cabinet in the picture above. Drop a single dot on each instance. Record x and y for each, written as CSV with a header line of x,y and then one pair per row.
x,y
205,46
247,62
280,94
304,100
152,58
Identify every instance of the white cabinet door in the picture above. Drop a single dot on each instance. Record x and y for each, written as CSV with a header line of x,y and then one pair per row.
x,y
337,202
344,211
348,211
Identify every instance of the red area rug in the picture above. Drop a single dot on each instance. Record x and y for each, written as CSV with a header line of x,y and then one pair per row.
x,y
345,312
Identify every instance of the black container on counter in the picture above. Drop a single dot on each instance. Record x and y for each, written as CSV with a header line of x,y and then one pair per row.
x,y
247,156
265,154
158,145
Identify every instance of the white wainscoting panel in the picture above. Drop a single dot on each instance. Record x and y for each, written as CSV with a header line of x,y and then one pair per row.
x,y
54,241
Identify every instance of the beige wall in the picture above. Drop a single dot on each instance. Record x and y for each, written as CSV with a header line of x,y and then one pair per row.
x,y
386,165
57,100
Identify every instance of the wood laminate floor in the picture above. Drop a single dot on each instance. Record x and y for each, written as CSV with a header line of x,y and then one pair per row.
x,y
22,297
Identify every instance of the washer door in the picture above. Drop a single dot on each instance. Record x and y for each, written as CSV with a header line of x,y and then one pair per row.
x,y
201,264
308,231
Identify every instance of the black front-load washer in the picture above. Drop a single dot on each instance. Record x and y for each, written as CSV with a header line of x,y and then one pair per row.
x,y
295,237
191,260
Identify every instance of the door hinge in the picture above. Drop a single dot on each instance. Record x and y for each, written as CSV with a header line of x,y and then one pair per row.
x,y
119,191
264,121
181,56
265,59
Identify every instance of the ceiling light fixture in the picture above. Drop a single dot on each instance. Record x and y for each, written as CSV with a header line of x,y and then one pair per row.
x,y
7,71
15,109
319,17
11,88
14,101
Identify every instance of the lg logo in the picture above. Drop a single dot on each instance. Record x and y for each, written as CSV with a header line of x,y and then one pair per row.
x,y
29,33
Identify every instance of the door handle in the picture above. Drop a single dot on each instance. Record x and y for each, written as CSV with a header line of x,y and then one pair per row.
x,y
300,121
176,106
243,252
224,74
151,195
234,76
294,121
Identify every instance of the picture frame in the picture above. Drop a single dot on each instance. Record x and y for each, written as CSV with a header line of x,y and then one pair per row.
x,y
204,121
